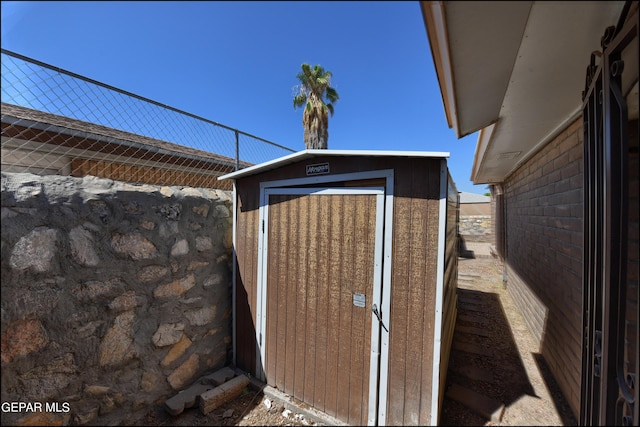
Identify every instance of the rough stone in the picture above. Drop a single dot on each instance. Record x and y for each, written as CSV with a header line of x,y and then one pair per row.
x,y
35,250
147,225
151,381
38,302
184,373
202,316
176,351
213,280
117,344
89,329
43,382
202,210
152,272
170,211
134,245
181,247
82,249
168,334
44,419
107,405
93,290
175,288
221,211
22,338
203,243
86,417
168,228
124,302
197,264
96,390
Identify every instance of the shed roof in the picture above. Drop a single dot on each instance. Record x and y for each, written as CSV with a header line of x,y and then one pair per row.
x,y
312,153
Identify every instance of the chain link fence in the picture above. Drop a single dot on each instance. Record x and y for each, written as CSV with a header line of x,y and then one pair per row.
x,y
57,122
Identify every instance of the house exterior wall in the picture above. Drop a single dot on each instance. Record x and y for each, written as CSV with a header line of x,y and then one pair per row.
x,y
544,239
43,152
147,174
471,209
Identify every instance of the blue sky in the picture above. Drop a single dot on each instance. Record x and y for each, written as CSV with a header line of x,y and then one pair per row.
x,y
236,63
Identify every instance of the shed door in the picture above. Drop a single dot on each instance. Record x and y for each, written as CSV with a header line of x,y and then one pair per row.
x,y
321,277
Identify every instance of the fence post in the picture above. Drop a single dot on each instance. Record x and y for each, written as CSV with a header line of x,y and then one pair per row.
x,y
237,150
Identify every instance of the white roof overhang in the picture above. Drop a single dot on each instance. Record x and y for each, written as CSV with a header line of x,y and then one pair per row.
x,y
514,71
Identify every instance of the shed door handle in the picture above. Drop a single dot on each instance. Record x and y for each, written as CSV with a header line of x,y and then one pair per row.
x,y
377,313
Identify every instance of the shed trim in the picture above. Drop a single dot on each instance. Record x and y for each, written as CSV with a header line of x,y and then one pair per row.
x,y
261,307
376,344
311,153
234,263
437,329
386,298
321,179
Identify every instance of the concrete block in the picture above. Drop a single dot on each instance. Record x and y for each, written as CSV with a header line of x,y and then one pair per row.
x,y
220,395
221,376
189,397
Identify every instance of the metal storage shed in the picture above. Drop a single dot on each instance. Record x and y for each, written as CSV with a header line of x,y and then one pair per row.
x,y
345,275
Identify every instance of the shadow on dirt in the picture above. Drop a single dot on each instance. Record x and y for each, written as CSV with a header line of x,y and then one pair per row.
x,y
484,359
561,404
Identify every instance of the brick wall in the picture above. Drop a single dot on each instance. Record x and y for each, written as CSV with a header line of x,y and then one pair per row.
x,y
544,239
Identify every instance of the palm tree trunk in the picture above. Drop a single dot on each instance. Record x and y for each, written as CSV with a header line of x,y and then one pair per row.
x,y
315,122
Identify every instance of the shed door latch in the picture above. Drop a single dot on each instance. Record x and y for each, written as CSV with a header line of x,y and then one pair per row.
x,y
377,313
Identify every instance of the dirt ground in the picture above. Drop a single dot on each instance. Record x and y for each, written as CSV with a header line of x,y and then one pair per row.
x,y
520,379
251,408
512,371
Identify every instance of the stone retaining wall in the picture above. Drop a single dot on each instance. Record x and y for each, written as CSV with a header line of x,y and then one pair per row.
x,y
114,296
476,228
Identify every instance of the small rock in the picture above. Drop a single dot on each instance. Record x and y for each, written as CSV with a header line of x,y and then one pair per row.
x,y
286,413
228,413
267,403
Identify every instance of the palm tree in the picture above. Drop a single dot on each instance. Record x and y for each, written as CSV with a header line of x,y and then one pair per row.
x,y
315,86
